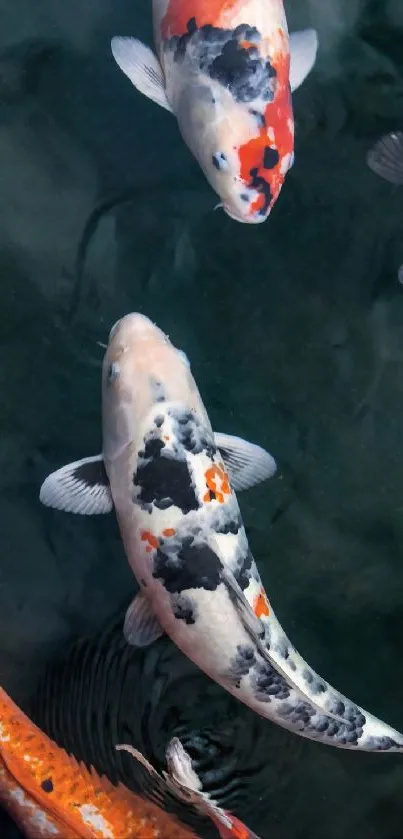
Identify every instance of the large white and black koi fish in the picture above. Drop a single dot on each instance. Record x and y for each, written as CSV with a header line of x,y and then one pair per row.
x,y
172,481
226,69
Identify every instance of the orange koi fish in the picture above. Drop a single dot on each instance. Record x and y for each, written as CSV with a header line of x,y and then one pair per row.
x,y
51,796
226,69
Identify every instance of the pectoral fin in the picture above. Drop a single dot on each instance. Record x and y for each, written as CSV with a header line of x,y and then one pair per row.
x,y
141,66
81,487
141,627
303,49
246,463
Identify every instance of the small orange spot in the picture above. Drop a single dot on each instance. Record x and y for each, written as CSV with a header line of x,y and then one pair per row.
x,y
147,536
169,531
166,437
246,45
261,606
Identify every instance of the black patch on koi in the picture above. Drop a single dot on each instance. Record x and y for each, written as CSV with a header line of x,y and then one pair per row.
x,y
270,158
191,434
219,161
185,609
259,183
230,57
228,525
243,573
267,683
316,684
159,420
47,785
260,118
382,744
157,389
194,566
307,719
163,480
91,474
242,663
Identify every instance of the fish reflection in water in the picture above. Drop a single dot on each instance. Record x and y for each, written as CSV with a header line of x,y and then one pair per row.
x,y
102,692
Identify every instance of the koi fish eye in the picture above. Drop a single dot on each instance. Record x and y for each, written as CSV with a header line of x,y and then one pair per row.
x,y
220,161
184,357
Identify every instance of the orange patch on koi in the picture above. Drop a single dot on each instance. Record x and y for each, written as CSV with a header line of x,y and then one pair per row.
x,y
153,542
204,11
261,606
279,118
217,482
169,531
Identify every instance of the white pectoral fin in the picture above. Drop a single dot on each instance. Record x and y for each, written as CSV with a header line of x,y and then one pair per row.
x,y
303,49
81,487
246,463
140,64
141,627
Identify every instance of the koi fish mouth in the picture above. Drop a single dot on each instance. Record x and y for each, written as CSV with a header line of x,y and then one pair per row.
x,y
254,218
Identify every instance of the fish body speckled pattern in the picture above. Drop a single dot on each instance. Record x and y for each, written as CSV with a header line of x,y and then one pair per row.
x,y
51,796
171,480
223,69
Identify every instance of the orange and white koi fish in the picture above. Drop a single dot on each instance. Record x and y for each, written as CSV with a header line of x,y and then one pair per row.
x,y
226,69
171,481
51,796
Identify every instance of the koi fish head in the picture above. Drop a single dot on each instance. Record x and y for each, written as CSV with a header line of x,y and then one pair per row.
x,y
244,149
141,370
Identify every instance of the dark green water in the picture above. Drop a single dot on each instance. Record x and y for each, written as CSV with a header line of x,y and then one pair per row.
x,y
295,333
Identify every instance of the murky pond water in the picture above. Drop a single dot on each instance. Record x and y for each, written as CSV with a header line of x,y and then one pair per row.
x,y
295,333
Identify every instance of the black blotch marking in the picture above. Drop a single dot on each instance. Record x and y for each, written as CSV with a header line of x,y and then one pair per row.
x,y
225,524
47,785
259,117
260,184
185,609
267,683
241,663
230,57
159,420
383,744
316,684
158,389
306,718
244,196
243,573
92,474
220,161
163,479
191,25
282,649
194,566
270,158
191,434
